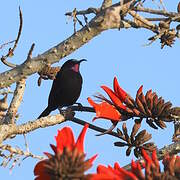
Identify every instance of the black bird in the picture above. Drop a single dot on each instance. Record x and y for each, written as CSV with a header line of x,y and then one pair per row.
x,y
66,87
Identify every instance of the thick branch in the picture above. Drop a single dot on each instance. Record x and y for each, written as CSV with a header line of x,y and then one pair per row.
x,y
7,131
106,19
15,103
106,3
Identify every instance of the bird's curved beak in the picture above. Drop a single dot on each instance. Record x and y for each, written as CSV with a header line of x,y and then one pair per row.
x,y
82,60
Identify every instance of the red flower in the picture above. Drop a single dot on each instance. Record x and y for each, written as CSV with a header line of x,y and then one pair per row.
x,y
111,109
110,173
68,160
105,110
121,106
151,165
172,164
119,91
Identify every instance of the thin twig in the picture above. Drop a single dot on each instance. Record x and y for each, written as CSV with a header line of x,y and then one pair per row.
x,y
142,20
26,143
83,12
9,64
6,91
18,151
157,19
154,11
19,31
29,56
30,52
6,43
93,127
11,50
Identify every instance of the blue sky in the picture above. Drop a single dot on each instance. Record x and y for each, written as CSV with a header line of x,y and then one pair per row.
x,y
112,53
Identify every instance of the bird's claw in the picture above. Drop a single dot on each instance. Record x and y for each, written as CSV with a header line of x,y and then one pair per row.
x,y
67,113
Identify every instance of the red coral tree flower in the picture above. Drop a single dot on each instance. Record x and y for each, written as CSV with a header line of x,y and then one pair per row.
x,y
112,109
68,161
151,165
113,173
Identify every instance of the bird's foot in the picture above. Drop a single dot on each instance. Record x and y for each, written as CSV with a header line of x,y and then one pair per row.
x,y
67,113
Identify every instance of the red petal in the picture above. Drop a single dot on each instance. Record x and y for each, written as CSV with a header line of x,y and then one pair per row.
x,y
116,166
124,174
117,102
92,158
119,91
136,169
139,91
101,177
105,110
104,170
65,138
80,141
146,157
117,173
133,166
139,166
154,158
115,85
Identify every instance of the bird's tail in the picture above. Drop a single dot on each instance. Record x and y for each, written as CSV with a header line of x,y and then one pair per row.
x,y
46,112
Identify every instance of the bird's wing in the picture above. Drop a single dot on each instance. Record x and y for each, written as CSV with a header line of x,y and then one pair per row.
x,y
63,87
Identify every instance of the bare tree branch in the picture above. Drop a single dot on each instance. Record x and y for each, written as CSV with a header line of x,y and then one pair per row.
x,y
6,131
6,91
11,50
18,151
106,3
155,12
90,10
15,103
108,16
106,19
6,43
143,22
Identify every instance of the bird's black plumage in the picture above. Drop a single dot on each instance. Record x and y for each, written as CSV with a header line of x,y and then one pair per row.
x,y
66,87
